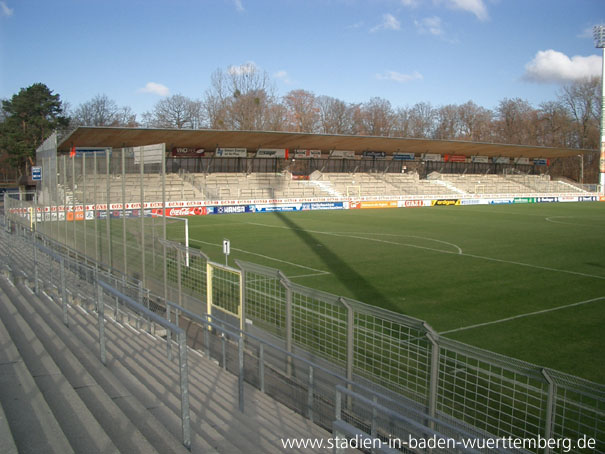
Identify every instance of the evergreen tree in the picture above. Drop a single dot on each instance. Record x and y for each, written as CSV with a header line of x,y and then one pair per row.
x,y
30,117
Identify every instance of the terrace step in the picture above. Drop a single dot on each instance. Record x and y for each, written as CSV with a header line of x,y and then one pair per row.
x,y
127,423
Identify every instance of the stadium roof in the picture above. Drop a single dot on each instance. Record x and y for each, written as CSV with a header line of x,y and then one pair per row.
x,y
252,140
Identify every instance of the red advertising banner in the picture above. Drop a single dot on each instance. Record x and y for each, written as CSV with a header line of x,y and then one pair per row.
x,y
454,158
183,152
182,211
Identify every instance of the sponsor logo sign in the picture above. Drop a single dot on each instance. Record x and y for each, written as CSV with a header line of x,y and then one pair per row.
x,y
454,158
374,154
231,152
445,202
568,198
374,204
403,156
323,206
521,161
342,154
305,154
524,200
182,152
274,208
480,159
413,203
231,209
501,160
602,198
547,199
431,157
500,201
588,198
272,153
541,162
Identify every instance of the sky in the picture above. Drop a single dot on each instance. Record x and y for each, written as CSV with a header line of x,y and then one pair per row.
x,y
406,51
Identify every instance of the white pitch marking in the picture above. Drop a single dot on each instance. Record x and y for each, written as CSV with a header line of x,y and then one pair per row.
x,y
550,219
317,272
464,254
404,236
514,317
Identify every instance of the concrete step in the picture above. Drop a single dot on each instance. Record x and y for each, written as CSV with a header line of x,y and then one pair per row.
x,y
79,425
32,424
110,402
214,400
128,422
7,443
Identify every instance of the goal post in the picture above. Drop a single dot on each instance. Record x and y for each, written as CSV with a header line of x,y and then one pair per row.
x,y
224,291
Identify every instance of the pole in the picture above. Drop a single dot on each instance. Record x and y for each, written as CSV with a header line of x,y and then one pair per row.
x,y
602,158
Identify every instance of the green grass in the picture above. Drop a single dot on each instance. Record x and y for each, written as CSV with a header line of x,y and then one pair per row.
x,y
516,259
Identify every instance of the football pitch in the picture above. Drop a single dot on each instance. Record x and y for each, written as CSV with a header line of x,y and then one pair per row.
x,y
527,281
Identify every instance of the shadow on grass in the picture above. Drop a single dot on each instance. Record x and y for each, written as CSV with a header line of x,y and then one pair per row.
x,y
361,288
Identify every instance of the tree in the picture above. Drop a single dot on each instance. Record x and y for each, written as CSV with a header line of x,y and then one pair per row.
x,y
335,116
376,117
582,101
514,121
102,111
29,118
303,112
475,122
240,98
176,111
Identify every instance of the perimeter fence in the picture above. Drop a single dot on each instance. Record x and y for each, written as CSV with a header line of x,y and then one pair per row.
x,y
394,355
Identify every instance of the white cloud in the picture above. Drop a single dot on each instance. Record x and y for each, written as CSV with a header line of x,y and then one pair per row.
x,y
410,3
432,25
476,7
6,11
283,76
239,6
246,68
399,77
155,88
389,22
552,66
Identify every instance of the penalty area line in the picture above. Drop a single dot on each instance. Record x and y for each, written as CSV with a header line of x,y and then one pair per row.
x,y
316,272
514,317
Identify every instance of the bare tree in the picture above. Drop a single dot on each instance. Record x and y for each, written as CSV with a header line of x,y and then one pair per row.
x,y
421,119
335,116
302,110
103,111
514,121
376,118
475,122
448,122
239,98
176,111
582,100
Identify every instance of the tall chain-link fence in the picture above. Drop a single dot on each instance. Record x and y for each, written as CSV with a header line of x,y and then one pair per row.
x,y
112,208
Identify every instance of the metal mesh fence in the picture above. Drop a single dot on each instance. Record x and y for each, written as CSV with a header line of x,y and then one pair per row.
x,y
111,206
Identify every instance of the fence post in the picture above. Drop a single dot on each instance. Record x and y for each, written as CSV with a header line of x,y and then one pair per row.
x,y
240,378
261,367
433,338
63,292
36,284
310,393
550,407
350,344
101,317
286,283
184,382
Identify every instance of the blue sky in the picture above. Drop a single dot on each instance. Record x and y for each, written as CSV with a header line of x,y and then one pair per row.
x,y
406,51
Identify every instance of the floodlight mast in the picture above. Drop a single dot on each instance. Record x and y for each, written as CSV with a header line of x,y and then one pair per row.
x,y
599,36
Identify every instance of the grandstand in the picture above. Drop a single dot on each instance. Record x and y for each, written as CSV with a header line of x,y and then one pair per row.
x,y
320,363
